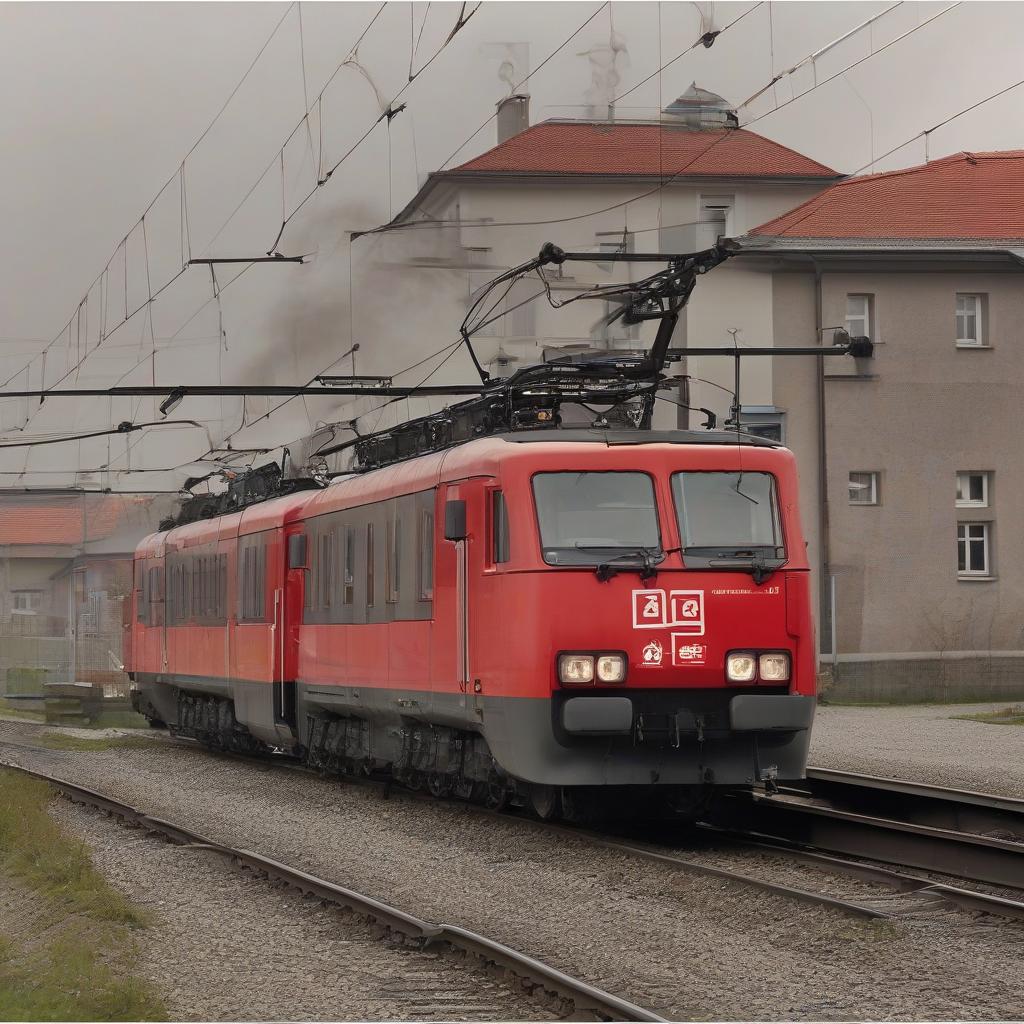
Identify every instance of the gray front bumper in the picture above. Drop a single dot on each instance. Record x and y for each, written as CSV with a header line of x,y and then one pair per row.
x,y
752,712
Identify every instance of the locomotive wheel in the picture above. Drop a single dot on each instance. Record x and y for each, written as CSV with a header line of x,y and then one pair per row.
x,y
438,785
495,796
546,802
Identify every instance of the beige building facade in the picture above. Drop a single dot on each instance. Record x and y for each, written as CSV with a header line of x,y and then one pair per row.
x,y
912,461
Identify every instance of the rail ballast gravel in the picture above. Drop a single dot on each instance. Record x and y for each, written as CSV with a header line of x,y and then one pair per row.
x,y
584,998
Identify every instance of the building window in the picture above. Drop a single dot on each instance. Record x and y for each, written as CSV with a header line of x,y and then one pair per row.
x,y
27,602
858,316
715,219
971,490
764,421
863,489
969,321
972,544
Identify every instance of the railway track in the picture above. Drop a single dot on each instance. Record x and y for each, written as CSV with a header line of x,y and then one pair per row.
x,y
577,998
974,836
780,827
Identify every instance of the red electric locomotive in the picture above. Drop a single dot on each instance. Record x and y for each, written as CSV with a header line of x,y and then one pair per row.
x,y
499,606
543,613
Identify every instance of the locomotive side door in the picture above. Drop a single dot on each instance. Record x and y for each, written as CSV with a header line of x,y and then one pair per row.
x,y
460,546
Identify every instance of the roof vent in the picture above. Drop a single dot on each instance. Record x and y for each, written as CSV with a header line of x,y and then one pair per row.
x,y
699,108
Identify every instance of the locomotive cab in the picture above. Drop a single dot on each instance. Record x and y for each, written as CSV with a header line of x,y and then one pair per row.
x,y
640,614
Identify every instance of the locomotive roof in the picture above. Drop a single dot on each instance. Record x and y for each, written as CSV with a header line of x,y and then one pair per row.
x,y
617,437
428,471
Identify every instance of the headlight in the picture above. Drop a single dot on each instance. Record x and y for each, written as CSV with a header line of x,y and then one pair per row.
x,y
774,668
611,668
576,668
740,667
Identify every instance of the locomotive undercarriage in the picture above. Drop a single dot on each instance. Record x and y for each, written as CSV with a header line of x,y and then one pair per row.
x,y
443,761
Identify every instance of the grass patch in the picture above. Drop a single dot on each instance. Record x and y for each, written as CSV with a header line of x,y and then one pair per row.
x,y
9,709
62,741
80,967
34,850
1003,716
69,980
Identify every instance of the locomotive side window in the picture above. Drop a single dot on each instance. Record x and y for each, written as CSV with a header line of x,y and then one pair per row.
x,y
326,575
369,565
426,553
499,528
252,582
394,559
155,595
350,565
727,520
591,518
141,593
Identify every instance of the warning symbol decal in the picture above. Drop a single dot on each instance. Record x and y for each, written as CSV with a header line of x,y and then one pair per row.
x,y
680,609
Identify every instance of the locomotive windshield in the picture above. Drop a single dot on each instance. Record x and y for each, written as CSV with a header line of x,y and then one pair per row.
x,y
592,518
727,520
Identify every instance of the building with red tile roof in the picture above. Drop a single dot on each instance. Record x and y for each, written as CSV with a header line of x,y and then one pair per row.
x,y
651,150
966,197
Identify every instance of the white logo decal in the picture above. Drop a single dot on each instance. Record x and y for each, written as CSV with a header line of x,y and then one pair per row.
x,y
686,653
653,653
684,609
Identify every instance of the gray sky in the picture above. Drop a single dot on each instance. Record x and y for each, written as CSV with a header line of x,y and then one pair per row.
x,y
102,101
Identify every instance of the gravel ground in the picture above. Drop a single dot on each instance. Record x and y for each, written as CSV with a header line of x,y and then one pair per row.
x,y
685,945
225,945
922,743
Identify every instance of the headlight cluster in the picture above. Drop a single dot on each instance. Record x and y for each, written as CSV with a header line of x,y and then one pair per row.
x,y
584,668
752,666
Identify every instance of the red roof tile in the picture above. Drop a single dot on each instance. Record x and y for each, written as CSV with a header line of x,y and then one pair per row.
x,y
560,147
56,519
967,195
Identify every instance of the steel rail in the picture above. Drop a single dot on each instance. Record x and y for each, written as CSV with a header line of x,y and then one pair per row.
x,y
966,899
917,802
800,821
617,845
583,996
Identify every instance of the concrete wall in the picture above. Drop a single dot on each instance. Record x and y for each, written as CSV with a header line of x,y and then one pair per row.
x,y
926,679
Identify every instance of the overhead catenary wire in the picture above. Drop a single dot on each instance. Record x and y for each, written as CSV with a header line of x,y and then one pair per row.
x,y
180,170
918,136
874,53
941,124
390,110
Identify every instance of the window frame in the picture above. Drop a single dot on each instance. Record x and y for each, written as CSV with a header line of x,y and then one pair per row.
x,y
979,320
876,491
596,561
27,592
968,573
501,542
371,597
868,316
425,561
970,502
393,559
348,569
679,507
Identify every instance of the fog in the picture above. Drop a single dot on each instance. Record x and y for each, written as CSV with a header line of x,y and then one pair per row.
x,y
104,104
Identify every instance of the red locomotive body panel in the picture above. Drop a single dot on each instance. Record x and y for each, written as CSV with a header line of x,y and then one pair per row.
x,y
349,606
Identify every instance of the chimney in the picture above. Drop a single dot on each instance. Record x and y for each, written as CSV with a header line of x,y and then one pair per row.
x,y
513,116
